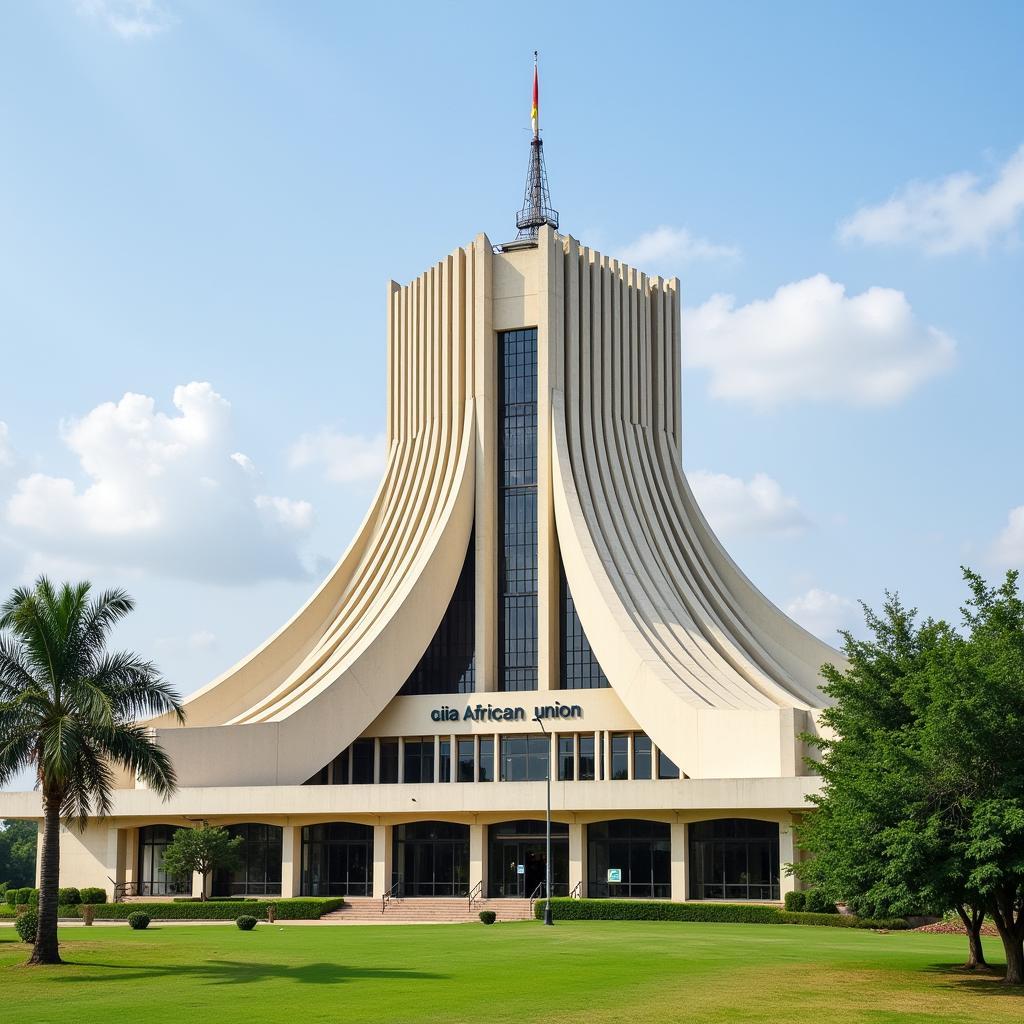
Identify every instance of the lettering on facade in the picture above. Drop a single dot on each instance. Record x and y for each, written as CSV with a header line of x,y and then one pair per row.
x,y
490,713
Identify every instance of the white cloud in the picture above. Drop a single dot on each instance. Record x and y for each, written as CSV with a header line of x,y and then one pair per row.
x,y
666,248
345,458
129,19
823,613
164,493
736,507
946,215
811,341
1008,549
6,451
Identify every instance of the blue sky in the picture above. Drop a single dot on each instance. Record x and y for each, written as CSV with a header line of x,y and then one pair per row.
x,y
216,194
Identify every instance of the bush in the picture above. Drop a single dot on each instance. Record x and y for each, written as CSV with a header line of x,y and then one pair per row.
x,y
891,924
26,926
795,901
12,897
488,916
245,923
138,920
69,897
816,902
91,895
302,909
28,897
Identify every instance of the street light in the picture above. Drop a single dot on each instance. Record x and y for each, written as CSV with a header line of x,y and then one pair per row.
x,y
547,858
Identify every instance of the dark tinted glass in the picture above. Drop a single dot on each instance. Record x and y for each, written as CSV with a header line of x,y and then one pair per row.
x,y
620,756
734,859
418,759
524,758
565,759
486,759
641,756
667,768
444,760
389,760
362,762
466,759
586,758
517,509
640,851
579,667
259,870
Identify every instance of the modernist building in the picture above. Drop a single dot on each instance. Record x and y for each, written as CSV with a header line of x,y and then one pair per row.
x,y
534,551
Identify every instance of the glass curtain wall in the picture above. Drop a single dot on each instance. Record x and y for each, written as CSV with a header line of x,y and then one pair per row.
x,y
580,669
431,858
517,510
734,859
259,873
629,858
337,859
153,880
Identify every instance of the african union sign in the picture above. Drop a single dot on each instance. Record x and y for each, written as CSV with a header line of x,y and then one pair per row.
x,y
490,713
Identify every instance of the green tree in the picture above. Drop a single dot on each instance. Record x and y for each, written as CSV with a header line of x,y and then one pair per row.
x,y
875,840
69,709
201,850
18,852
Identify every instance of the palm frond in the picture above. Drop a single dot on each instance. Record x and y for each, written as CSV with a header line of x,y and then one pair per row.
x,y
136,688
133,747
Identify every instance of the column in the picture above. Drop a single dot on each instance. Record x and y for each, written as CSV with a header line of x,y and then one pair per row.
x,y
291,861
577,857
117,844
478,856
197,884
381,859
787,855
680,874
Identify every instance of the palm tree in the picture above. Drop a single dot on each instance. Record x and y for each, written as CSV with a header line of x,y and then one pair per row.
x,y
69,709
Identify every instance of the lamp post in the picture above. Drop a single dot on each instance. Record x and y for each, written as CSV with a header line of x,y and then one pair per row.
x,y
547,856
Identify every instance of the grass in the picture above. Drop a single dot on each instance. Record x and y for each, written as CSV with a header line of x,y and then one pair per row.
x,y
591,972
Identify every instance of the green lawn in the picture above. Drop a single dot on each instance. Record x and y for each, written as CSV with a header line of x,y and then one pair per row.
x,y
586,971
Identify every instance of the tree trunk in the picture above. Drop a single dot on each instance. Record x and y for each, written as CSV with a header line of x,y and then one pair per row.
x,y
45,950
973,920
1010,922
1014,947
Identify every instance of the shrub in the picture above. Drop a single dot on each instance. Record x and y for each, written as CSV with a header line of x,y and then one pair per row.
x,y
245,923
91,895
69,897
302,909
138,920
816,902
28,897
26,926
795,901
12,897
488,916
891,924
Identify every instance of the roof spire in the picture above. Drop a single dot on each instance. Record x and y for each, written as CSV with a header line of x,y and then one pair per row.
x,y
536,200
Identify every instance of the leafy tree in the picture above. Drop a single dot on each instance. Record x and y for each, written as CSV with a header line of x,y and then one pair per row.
x,y
69,709
201,850
18,853
873,842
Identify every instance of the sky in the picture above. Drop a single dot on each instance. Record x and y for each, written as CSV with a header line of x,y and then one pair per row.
x,y
201,206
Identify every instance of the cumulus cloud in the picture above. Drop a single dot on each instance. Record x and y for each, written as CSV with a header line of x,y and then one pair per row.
x,y
823,613
1008,549
163,493
129,19
735,507
812,341
344,458
666,248
946,215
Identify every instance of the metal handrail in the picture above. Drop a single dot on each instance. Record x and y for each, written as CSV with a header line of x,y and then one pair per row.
x,y
535,895
577,891
476,892
391,894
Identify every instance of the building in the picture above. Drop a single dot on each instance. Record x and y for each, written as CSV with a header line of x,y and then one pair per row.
x,y
533,588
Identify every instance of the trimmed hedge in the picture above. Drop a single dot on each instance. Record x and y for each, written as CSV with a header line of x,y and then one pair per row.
x,y
724,913
488,916
26,926
93,895
245,923
303,909
795,901
138,921
69,897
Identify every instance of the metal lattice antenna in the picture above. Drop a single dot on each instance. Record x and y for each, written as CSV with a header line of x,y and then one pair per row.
x,y
536,200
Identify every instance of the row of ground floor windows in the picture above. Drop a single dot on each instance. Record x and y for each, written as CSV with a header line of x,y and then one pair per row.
x,y
729,859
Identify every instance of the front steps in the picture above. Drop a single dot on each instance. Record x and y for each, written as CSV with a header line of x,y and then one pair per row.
x,y
439,910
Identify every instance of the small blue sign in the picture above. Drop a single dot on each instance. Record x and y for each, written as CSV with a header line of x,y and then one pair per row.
x,y
615,875
520,869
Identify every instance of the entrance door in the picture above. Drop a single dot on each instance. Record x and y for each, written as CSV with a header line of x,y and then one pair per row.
x,y
431,858
517,858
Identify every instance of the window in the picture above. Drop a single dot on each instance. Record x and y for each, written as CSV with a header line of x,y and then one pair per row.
x,y
734,859
587,757
640,851
517,510
466,758
418,758
444,760
486,759
362,762
566,768
641,756
389,761
524,758
259,872
579,667
667,768
337,859
448,665
620,755
153,880
339,768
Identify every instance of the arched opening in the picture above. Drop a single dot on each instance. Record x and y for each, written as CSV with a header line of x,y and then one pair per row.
x,y
259,873
431,858
734,859
629,858
152,880
517,858
337,859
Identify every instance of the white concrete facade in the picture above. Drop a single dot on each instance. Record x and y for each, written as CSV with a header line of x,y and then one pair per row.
x,y
698,662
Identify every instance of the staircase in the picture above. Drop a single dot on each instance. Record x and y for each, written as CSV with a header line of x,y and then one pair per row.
x,y
438,910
